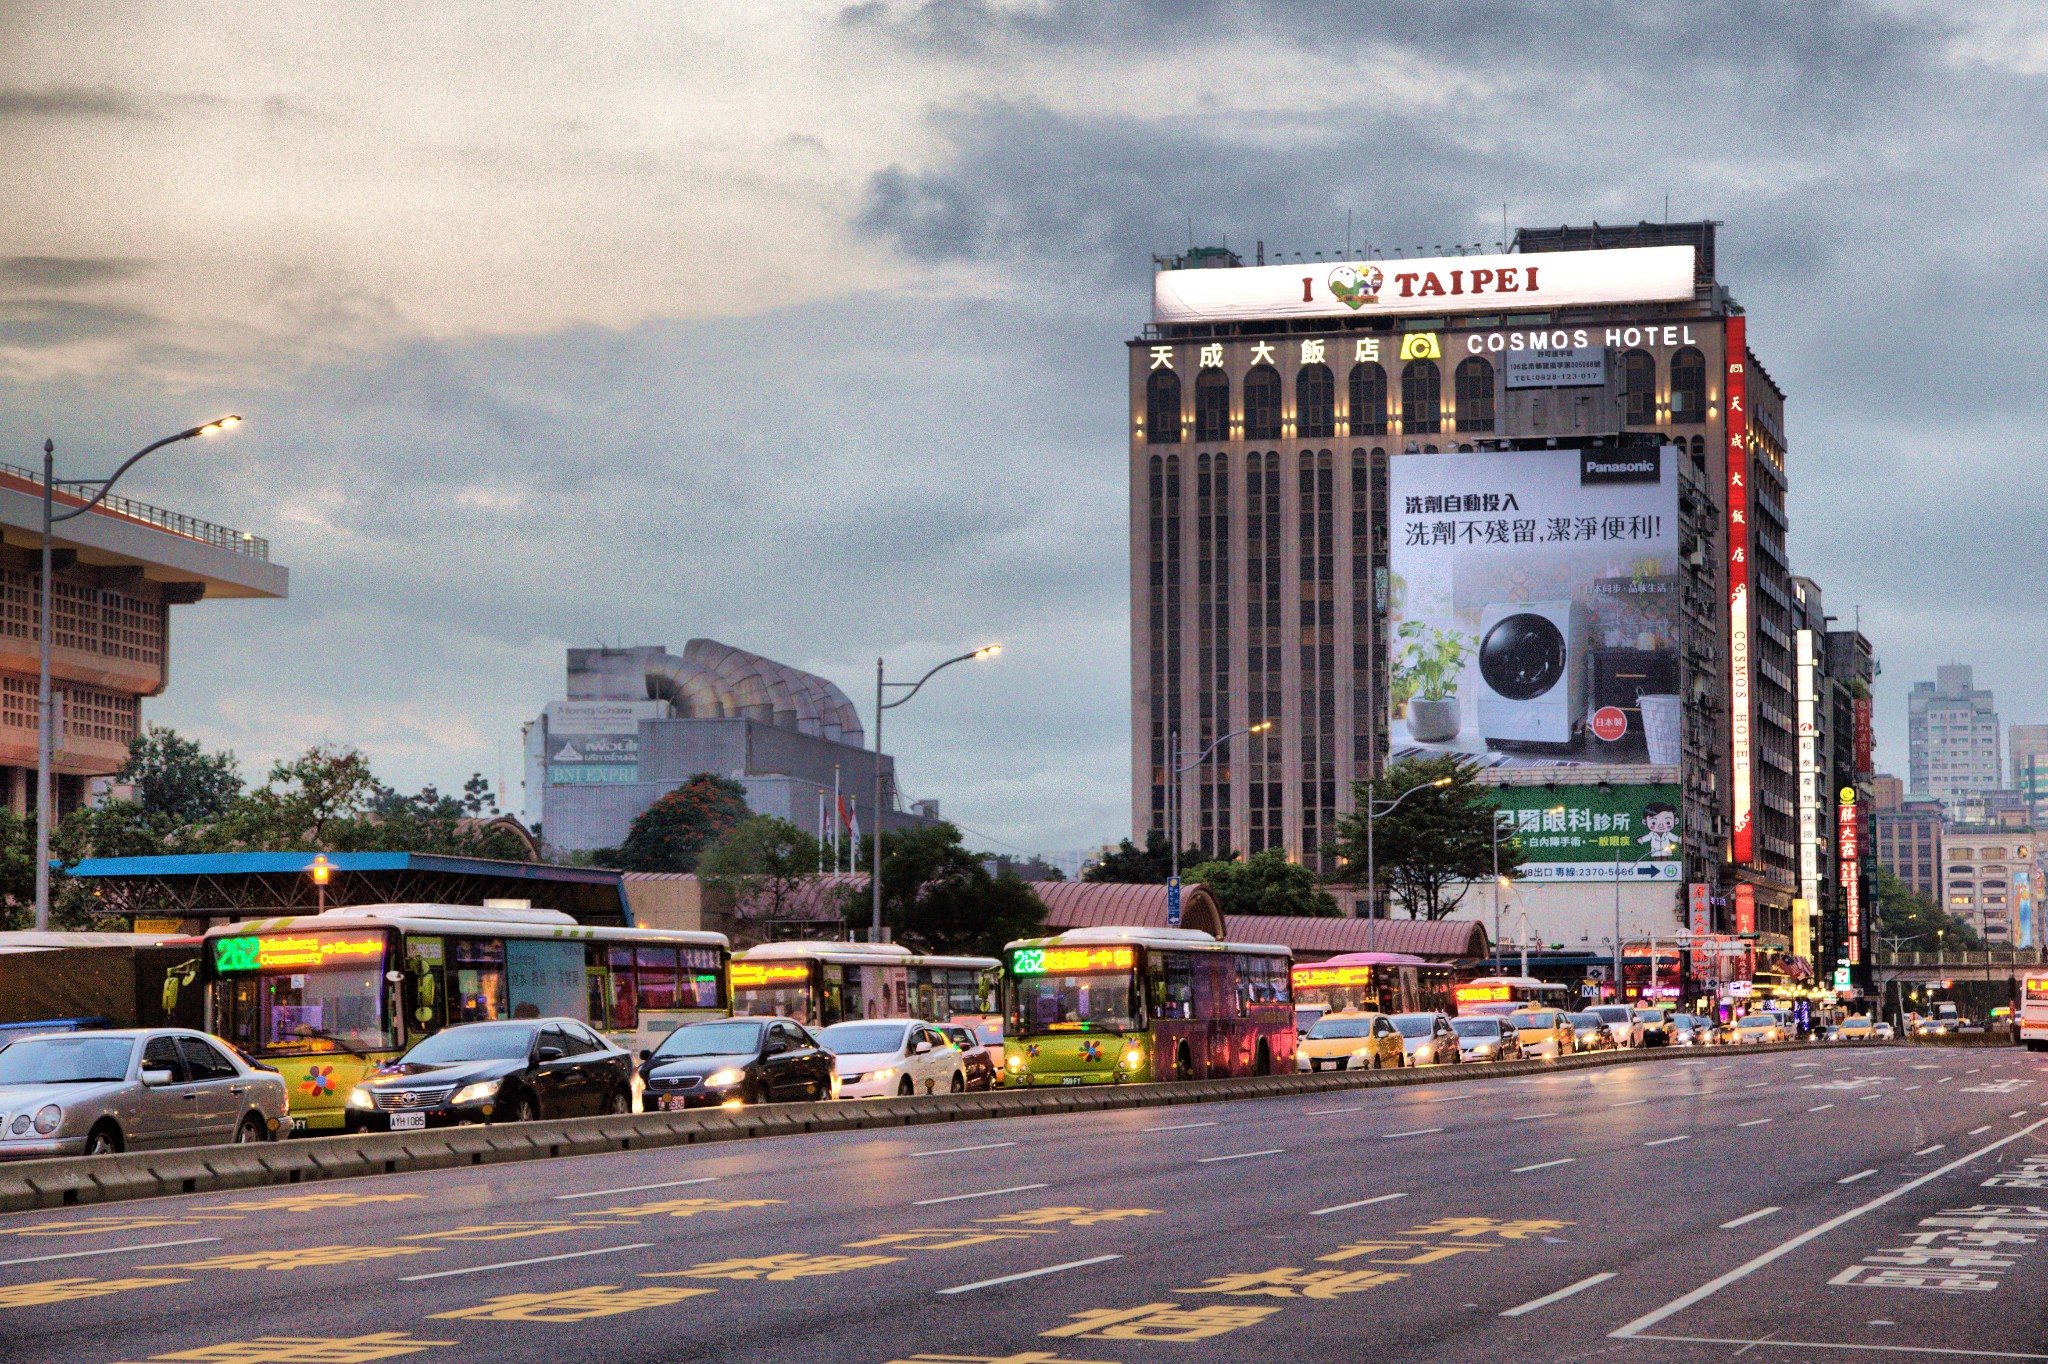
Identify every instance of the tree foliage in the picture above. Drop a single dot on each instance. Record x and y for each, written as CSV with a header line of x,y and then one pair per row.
x,y
760,866
938,896
1266,883
1431,846
672,833
1917,922
1150,865
177,780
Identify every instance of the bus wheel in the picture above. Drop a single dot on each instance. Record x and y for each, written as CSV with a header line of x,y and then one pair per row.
x,y
1183,1063
1262,1064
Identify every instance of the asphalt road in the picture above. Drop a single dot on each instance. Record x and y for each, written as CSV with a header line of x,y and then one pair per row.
x,y
1812,1206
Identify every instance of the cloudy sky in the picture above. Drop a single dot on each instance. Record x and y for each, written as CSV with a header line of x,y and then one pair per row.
x,y
800,326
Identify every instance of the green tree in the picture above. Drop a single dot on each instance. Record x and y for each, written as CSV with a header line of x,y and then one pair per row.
x,y
1434,844
1266,883
938,896
178,781
672,833
760,866
1150,865
1919,923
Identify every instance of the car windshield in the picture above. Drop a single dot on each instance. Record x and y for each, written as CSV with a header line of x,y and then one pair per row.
x,y
1649,1016
1477,1027
1584,1021
483,1042
1611,1013
1415,1025
711,1039
1340,1027
1541,1020
65,1060
854,1039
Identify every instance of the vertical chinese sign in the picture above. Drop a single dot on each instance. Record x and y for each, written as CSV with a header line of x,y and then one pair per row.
x,y
1864,739
1745,908
1851,879
1737,423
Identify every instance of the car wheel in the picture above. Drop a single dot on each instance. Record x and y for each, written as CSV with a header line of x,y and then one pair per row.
x,y
906,1088
959,1085
250,1131
619,1104
521,1109
104,1140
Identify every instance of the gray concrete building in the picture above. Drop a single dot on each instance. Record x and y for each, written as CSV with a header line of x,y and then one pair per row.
x,y
637,723
1951,737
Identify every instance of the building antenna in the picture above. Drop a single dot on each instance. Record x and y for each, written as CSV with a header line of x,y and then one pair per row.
x,y
1667,208
1503,227
1347,234
1191,232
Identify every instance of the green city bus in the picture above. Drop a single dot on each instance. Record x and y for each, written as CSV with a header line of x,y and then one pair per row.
x,y
326,998
1116,1005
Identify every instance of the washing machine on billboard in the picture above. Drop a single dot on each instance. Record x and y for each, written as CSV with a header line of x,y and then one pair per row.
x,y
1532,673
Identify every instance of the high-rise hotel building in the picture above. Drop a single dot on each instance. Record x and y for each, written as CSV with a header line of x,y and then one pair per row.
x,y
1274,411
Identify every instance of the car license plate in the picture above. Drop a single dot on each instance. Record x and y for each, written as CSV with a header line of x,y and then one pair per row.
x,y
673,1103
298,1124
408,1122
1073,1079
1319,1065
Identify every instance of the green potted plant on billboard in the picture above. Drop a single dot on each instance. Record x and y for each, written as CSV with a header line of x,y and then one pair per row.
x,y
1432,660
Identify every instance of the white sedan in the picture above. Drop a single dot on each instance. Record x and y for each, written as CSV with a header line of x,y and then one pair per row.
x,y
877,1058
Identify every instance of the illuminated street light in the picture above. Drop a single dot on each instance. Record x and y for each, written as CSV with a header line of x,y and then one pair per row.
x,y
46,718
909,690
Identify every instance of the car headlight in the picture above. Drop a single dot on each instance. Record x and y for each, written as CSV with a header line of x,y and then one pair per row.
x,y
47,1118
20,1124
360,1098
1483,1049
719,1079
476,1093
885,1073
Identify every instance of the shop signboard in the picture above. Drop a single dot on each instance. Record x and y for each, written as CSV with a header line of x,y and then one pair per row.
x,y
1699,913
595,743
1743,841
1745,908
1532,607
1851,881
1564,367
1586,833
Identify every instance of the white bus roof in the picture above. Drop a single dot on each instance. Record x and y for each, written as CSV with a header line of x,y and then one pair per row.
x,y
1520,982
1188,938
461,919
857,954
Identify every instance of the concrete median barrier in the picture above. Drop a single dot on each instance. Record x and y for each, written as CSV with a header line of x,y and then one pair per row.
x,y
77,1180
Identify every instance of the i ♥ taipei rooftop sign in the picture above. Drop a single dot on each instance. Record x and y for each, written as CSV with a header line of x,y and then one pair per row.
x,y
1435,285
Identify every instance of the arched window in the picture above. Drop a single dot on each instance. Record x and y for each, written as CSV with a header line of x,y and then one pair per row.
x,y
1212,406
1688,386
1474,383
1262,403
1639,388
1422,398
1368,400
1315,402
1699,447
1162,408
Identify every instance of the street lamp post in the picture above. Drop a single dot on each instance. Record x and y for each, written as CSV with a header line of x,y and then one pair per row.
x,y
1617,916
1373,810
1173,785
909,690
45,724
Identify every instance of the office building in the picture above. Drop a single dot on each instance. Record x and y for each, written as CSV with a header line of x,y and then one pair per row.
x,y
1988,882
120,568
1887,792
1907,841
1951,736
637,723
1526,507
2029,769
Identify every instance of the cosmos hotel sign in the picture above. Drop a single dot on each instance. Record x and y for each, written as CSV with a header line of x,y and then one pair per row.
x,y
1443,284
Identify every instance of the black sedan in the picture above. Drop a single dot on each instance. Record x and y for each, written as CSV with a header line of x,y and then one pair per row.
x,y
495,1072
735,1060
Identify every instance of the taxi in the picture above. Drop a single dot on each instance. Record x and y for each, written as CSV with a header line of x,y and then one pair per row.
x,y
1762,1027
1857,1028
1544,1032
1350,1040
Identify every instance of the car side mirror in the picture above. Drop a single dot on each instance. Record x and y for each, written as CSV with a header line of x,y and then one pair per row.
x,y
646,1055
921,1048
546,1054
776,1048
156,1077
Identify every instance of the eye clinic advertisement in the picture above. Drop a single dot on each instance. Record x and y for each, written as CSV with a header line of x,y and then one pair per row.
x,y
1531,608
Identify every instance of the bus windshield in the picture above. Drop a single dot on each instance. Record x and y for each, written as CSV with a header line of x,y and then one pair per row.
x,y
338,1009
1074,1003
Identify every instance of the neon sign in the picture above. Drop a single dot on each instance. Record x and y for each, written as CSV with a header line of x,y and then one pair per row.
x,y
296,951
1314,977
1039,961
748,975
1481,994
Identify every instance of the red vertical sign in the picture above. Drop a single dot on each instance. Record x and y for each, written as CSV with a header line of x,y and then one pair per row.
x,y
1699,913
1737,425
1745,908
1863,735
1849,848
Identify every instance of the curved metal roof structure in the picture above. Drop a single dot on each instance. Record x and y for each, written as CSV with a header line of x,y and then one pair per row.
x,y
716,681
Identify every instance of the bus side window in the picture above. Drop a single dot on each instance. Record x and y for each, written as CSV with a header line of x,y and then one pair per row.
x,y
1170,981
622,1014
479,994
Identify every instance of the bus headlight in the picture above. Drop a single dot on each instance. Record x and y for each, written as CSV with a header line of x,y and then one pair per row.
x,y
476,1093
1131,1059
360,1098
47,1118
1016,1063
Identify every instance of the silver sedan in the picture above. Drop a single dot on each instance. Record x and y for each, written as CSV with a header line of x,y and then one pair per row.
x,y
134,1089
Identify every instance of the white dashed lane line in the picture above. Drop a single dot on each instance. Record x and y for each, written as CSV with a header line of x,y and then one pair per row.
x,y
1975,1131
1860,1174
1361,1203
515,1264
1749,1217
1544,1165
1241,1155
1559,1296
638,1188
1754,1122
1531,1117
1666,1141
1179,1127
1031,1274
109,1250
1418,1132
1822,1109
985,1193
963,1150
1930,1150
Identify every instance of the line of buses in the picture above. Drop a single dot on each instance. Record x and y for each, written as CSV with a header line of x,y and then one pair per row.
x,y
327,998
